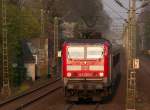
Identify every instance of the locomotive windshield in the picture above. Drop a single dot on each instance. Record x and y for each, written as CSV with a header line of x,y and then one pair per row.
x,y
76,52
86,52
95,52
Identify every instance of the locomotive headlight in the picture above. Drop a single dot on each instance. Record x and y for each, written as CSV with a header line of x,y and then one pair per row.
x,y
101,74
68,74
97,67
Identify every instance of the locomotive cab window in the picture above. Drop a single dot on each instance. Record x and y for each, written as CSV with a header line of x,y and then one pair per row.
x,y
75,52
95,52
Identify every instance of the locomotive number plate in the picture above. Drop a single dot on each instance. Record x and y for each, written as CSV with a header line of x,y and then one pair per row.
x,y
85,74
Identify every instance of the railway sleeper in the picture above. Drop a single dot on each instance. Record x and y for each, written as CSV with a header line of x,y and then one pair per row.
x,y
95,95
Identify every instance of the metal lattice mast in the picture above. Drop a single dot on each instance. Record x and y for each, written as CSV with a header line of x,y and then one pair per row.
x,y
42,22
55,51
6,84
41,54
42,35
131,57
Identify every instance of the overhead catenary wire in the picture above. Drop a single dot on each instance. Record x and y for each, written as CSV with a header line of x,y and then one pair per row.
x,y
113,10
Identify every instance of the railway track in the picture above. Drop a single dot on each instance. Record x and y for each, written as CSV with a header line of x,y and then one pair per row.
x,y
97,107
145,62
69,106
73,106
36,99
26,99
143,78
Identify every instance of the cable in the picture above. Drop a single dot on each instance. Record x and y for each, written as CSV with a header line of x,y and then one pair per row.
x,y
114,11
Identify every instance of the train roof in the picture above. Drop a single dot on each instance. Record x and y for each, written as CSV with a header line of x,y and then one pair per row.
x,y
115,47
88,41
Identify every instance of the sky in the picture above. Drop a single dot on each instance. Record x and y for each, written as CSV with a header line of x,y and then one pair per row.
x,y
117,13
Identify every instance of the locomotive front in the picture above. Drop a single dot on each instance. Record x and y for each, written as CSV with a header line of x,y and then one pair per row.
x,y
85,69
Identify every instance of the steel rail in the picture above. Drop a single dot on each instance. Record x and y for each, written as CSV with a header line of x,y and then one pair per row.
x,y
27,93
69,106
38,98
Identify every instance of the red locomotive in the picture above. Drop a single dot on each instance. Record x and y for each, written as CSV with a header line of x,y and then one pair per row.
x,y
90,68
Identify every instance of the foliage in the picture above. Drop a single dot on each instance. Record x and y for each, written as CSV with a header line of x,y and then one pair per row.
x,y
19,71
21,24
